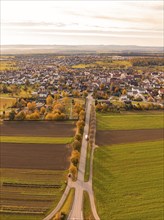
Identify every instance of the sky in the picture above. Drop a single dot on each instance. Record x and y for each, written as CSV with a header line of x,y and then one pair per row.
x,y
112,22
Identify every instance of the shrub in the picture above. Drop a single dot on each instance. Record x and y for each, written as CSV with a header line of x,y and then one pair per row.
x,y
76,145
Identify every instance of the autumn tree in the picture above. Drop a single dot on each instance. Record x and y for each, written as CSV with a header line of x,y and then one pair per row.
x,y
73,170
31,106
76,145
49,100
20,116
75,156
12,115
42,110
82,115
78,137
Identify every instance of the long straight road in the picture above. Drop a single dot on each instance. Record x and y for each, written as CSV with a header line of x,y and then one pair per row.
x,y
77,208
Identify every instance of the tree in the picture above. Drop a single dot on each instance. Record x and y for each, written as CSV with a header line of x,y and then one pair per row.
x,y
73,170
31,106
59,107
78,137
80,123
82,115
75,156
76,145
12,115
20,116
104,107
33,116
42,110
49,100
77,108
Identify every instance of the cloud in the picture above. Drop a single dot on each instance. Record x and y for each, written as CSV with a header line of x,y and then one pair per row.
x,y
34,24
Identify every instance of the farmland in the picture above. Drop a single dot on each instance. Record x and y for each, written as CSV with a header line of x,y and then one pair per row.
x,y
41,128
128,181
32,172
130,121
34,156
128,166
127,136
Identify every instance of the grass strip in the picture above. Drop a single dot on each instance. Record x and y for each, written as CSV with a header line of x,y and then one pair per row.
x,y
87,165
87,211
36,140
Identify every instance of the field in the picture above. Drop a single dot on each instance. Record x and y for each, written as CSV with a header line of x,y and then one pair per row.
x,y
127,136
35,156
41,128
34,160
128,166
128,181
30,201
130,121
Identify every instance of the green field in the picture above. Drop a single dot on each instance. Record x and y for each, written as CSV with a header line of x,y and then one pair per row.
x,y
126,121
36,140
128,181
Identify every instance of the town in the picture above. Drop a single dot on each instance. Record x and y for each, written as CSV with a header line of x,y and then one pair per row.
x,y
119,81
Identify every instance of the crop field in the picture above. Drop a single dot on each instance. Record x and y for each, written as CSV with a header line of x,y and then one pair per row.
x,y
109,137
128,181
37,128
34,159
35,156
31,201
125,121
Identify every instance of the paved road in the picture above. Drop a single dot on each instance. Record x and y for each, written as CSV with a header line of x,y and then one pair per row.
x,y
77,208
61,202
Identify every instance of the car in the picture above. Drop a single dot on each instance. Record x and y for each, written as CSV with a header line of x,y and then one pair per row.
x,y
86,137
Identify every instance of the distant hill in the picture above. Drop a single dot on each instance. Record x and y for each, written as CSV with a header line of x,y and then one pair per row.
x,y
77,49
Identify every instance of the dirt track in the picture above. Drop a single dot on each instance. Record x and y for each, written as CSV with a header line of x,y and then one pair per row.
x,y
37,128
34,156
127,136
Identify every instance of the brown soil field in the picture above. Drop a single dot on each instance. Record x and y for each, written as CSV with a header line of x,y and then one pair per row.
x,y
127,136
37,128
34,156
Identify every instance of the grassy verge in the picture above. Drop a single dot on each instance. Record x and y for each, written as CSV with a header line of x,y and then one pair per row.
x,y
128,181
36,140
87,212
66,208
124,121
87,166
